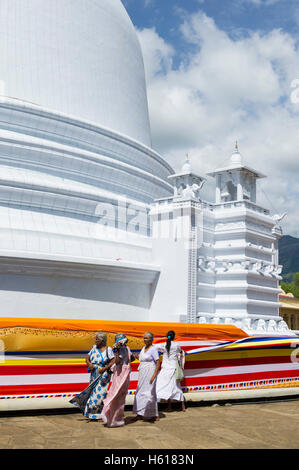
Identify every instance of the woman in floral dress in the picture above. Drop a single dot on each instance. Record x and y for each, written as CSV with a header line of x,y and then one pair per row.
x,y
99,361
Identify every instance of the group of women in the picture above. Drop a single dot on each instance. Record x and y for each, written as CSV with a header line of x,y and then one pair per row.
x,y
101,402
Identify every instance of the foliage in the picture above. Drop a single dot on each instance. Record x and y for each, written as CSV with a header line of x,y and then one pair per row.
x,y
289,257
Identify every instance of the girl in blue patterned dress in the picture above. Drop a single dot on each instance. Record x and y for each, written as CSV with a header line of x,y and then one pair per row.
x,y
99,361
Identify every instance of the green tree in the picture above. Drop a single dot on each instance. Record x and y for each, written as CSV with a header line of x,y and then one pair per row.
x,y
286,287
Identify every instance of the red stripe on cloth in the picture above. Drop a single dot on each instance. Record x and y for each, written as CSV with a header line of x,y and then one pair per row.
x,y
49,388
49,369
44,388
244,361
38,370
222,379
190,348
133,384
195,381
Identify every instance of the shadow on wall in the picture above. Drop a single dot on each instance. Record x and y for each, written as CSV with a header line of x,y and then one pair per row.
x,y
62,290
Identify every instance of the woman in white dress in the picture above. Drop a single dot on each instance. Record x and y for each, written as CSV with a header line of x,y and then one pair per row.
x,y
168,387
145,400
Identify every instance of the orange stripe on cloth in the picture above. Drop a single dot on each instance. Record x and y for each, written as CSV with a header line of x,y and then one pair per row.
x,y
137,329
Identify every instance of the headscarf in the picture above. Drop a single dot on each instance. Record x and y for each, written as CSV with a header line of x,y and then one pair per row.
x,y
120,338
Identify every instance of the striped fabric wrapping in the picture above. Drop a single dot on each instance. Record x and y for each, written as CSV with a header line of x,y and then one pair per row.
x,y
246,363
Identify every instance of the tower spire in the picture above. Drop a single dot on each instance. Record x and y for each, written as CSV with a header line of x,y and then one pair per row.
x,y
236,157
187,165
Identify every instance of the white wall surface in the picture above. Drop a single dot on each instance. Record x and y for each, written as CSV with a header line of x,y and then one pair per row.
x,y
62,297
80,57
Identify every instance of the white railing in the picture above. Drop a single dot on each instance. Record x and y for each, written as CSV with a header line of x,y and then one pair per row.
x,y
246,204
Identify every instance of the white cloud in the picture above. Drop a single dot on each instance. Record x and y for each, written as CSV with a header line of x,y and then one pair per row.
x,y
147,3
261,2
157,54
226,90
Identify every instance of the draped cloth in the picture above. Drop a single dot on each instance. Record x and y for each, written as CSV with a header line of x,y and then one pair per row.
x,y
91,399
114,404
168,388
145,401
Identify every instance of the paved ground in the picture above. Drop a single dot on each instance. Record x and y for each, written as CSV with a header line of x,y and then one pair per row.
x,y
268,425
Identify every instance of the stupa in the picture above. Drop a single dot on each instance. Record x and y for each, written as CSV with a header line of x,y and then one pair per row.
x,y
95,224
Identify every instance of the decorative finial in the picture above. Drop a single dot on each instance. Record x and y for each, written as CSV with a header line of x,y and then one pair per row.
x,y
186,168
236,157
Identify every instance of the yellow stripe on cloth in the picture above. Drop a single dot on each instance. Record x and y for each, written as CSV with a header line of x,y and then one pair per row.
x,y
42,362
253,344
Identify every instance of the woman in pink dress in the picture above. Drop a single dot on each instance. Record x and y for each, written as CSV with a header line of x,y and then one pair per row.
x,y
114,404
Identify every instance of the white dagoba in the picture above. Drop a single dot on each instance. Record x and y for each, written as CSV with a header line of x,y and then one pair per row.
x,y
80,58
77,173
94,224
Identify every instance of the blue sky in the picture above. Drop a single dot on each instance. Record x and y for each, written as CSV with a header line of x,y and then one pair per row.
x,y
221,70
231,15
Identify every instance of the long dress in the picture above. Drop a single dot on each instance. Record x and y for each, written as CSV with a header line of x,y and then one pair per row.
x,y
145,400
114,404
168,388
91,399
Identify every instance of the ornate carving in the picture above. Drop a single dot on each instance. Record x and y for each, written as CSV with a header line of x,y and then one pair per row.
x,y
191,191
247,324
216,320
202,320
261,325
279,217
282,326
272,325
211,265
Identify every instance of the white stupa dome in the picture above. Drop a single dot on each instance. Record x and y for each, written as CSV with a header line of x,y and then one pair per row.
x,y
75,152
78,57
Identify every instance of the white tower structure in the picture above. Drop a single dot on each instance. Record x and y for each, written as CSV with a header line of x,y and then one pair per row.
x,y
245,251
177,231
219,260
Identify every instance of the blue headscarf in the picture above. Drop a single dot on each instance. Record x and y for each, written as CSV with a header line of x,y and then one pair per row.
x,y
120,337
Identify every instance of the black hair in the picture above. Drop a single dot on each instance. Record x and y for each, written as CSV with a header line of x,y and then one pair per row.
x,y
170,337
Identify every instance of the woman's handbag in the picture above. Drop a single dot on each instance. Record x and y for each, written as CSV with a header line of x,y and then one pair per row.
x,y
179,373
